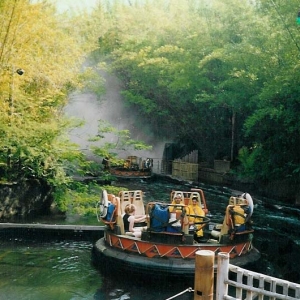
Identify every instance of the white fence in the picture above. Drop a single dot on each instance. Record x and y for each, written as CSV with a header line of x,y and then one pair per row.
x,y
248,285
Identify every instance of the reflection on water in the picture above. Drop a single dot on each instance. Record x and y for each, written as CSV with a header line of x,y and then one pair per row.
x,y
35,269
62,270
54,270
125,286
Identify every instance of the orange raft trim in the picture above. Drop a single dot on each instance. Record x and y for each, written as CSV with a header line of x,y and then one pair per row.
x,y
150,249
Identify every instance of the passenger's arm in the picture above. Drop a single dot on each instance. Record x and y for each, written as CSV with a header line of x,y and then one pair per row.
x,y
131,221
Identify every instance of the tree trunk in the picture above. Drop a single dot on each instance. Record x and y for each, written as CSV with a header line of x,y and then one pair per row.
x,y
232,135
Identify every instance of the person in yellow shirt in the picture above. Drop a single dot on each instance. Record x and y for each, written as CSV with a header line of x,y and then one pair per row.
x,y
239,215
176,205
177,212
194,210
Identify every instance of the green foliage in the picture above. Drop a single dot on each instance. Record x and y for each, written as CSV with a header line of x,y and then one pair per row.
x,y
93,83
222,74
248,162
33,125
120,141
81,198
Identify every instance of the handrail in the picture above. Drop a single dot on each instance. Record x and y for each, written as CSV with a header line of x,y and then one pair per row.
x,y
251,285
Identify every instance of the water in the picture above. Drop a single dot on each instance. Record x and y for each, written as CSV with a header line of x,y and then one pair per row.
x,y
59,269
54,270
62,270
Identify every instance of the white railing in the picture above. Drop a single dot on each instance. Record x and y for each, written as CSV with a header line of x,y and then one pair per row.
x,y
235,283
248,285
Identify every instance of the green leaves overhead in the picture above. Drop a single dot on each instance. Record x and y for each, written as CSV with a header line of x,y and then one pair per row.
x,y
34,39
223,74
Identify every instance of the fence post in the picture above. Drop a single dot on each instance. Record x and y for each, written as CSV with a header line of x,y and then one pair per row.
x,y
222,275
204,275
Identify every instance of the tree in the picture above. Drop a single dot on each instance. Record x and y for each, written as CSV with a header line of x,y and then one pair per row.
x,y
219,73
34,39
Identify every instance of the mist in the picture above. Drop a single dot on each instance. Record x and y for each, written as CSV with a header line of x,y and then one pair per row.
x,y
111,108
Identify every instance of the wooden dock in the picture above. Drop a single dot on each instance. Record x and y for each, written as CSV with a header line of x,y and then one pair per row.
x,y
50,231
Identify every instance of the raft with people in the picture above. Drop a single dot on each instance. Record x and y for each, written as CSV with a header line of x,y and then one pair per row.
x,y
133,168
164,237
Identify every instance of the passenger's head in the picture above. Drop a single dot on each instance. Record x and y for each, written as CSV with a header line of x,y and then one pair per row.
x,y
194,200
129,209
177,198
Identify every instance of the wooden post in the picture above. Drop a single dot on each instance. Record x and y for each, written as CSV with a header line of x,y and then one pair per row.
x,y
222,275
204,275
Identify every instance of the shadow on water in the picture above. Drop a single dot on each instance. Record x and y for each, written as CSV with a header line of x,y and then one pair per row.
x,y
127,285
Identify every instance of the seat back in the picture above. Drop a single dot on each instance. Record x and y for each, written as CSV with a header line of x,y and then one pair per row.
x,y
120,223
119,218
125,199
237,201
138,202
112,216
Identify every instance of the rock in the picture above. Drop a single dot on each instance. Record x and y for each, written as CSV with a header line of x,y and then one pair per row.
x,y
21,199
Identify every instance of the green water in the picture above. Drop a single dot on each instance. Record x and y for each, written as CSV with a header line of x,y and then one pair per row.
x,y
31,270
54,270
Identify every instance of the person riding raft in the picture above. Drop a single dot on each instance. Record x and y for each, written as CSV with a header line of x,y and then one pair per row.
x,y
194,210
238,219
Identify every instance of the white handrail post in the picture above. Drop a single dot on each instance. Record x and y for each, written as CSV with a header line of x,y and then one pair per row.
x,y
204,275
222,275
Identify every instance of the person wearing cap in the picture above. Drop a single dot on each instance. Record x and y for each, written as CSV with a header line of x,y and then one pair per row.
x,y
195,210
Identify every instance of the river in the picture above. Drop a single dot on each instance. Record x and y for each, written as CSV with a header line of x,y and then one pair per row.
x,y
41,268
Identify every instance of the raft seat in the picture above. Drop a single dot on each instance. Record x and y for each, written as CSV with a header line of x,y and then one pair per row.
x,y
114,215
237,201
177,193
120,226
138,202
125,199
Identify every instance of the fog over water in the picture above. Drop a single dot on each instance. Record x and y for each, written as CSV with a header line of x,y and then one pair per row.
x,y
112,108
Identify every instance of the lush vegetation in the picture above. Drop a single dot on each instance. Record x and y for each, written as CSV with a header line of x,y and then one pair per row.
x,y
40,60
33,141
223,74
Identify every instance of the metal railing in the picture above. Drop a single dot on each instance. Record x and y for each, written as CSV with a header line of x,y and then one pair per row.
x,y
248,285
